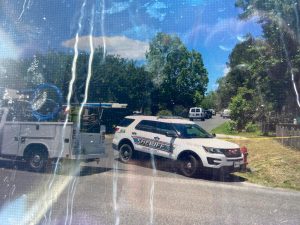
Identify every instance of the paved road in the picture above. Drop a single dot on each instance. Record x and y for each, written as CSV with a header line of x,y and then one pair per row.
x,y
210,124
114,193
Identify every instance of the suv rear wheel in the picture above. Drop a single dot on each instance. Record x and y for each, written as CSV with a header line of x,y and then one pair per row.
x,y
125,153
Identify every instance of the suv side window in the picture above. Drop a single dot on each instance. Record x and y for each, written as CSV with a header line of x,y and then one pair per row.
x,y
154,127
162,128
193,110
126,122
197,110
146,125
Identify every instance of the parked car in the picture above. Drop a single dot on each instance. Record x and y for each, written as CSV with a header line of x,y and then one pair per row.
x,y
213,112
208,114
196,113
226,113
184,141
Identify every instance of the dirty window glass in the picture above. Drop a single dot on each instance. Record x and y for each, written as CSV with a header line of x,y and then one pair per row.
x,y
126,122
146,125
71,71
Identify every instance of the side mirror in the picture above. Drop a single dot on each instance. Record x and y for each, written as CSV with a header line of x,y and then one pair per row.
x,y
213,134
171,134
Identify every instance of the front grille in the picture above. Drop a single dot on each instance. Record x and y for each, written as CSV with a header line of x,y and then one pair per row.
x,y
232,153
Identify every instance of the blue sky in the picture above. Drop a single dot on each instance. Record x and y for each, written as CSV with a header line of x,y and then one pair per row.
x,y
211,27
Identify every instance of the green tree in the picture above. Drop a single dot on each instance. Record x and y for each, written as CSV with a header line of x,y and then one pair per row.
x,y
114,79
280,23
210,101
243,107
178,74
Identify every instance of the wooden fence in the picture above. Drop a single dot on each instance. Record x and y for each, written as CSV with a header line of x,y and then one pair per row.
x,y
290,134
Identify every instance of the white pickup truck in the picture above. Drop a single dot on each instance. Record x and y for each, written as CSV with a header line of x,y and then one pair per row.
x,y
41,142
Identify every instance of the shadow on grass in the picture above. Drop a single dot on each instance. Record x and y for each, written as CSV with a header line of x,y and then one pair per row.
x,y
171,166
84,170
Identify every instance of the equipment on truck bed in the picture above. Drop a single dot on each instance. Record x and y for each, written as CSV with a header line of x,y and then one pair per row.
x,y
42,103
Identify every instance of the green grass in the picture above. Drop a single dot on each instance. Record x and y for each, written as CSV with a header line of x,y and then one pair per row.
x,y
271,164
226,129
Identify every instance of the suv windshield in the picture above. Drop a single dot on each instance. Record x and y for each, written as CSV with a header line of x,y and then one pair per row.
x,y
191,131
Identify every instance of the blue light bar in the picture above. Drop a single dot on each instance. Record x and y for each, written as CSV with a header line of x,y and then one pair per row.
x,y
101,105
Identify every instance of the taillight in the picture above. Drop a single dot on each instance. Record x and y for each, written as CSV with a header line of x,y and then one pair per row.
x,y
103,137
117,129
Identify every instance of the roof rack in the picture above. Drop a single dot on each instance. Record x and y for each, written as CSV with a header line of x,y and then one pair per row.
x,y
169,117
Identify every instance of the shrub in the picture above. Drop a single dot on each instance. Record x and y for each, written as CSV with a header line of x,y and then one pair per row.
x,y
242,107
251,127
232,126
179,110
164,112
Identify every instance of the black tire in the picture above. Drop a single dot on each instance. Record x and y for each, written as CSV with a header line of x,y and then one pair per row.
x,y
125,153
202,119
191,119
37,161
189,165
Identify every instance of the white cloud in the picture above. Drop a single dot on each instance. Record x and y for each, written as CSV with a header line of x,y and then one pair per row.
x,y
226,70
115,45
8,49
241,38
226,49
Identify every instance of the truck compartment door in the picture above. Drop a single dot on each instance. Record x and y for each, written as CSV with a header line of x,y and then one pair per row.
x,y
91,144
11,139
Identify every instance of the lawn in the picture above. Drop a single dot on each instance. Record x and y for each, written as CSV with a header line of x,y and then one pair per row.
x,y
271,163
224,128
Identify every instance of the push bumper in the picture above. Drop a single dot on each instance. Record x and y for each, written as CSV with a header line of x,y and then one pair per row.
x,y
224,169
220,162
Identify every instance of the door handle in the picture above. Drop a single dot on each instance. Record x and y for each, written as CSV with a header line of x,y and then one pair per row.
x,y
156,138
23,139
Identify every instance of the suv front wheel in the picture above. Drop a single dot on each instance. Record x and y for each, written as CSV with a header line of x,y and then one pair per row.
x,y
189,165
125,153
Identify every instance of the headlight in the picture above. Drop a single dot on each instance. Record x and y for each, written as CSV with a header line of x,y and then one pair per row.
x,y
213,150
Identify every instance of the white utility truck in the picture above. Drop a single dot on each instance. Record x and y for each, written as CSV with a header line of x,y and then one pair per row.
x,y
42,142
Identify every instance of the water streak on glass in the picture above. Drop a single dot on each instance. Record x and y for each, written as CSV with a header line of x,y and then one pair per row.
x,y
23,9
69,96
151,200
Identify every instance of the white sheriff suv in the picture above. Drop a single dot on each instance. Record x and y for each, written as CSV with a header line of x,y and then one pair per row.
x,y
178,139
